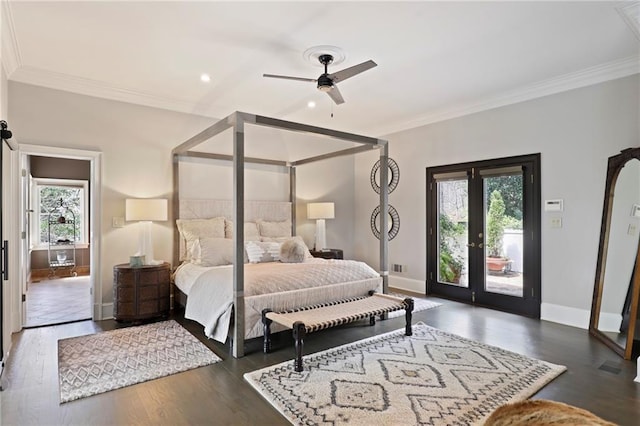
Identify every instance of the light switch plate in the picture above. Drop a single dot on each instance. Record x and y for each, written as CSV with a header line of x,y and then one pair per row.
x,y
635,211
555,222
633,229
117,222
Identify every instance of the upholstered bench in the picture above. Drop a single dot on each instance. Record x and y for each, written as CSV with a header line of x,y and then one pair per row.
x,y
313,318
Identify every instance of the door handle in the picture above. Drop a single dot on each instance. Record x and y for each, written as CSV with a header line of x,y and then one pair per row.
x,y
480,245
5,260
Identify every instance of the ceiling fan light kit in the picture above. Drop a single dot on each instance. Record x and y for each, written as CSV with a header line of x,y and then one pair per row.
x,y
327,82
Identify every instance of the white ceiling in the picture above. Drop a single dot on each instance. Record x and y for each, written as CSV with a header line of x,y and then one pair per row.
x,y
436,60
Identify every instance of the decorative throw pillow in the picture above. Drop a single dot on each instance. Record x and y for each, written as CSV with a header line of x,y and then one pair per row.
x,y
251,232
192,229
260,252
274,229
293,251
213,252
298,238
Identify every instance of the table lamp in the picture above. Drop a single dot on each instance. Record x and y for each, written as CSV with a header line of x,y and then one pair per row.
x,y
146,210
320,212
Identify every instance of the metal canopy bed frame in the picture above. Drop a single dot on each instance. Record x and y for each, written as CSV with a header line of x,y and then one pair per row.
x,y
237,121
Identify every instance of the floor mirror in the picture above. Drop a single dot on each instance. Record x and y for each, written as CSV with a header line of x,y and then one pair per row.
x,y
614,312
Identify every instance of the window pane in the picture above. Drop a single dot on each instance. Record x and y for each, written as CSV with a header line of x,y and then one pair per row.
x,y
453,232
503,206
56,201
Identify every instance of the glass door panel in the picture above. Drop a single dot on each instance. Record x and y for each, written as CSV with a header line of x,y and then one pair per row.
x,y
503,207
453,232
478,214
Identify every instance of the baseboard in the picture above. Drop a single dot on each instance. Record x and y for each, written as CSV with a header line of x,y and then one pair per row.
x,y
106,311
408,284
566,315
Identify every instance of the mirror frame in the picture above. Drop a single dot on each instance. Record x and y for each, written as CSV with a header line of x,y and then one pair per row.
x,y
615,165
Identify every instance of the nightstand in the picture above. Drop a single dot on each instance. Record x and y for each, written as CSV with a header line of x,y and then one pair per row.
x,y
328,253
141,292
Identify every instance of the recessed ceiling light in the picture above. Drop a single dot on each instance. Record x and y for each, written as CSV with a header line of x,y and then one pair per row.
x,y
205,78
311,104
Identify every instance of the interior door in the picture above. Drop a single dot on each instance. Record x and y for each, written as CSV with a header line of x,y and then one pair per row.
x,y
25,239
483,242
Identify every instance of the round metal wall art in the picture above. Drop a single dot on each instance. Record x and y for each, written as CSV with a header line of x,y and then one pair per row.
x,y
394,174
394,218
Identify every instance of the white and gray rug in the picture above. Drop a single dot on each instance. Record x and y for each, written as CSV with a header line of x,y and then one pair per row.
x,y
419,304
430,378
88,365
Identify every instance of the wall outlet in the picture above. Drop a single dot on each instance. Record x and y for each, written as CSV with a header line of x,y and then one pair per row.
x,y
555,222
117,222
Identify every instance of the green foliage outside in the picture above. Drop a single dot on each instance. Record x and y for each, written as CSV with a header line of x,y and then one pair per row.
x,y
58,201
451,264
495,224
510,188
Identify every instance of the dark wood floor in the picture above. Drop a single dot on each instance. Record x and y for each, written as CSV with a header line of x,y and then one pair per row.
x,y
597,379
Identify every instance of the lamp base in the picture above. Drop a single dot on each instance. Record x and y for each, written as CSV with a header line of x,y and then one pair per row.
x,y
321,235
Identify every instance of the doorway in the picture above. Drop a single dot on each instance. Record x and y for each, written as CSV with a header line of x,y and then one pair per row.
x,y
483,233
58,275
59,254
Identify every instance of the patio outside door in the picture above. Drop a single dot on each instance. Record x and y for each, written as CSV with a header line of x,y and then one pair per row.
x,y
483,233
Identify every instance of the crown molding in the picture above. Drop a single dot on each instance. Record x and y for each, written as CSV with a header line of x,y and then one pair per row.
x,y
586,77
630,13
11,58
99,89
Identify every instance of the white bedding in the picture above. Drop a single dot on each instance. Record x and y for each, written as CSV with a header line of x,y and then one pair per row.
x,y
274,285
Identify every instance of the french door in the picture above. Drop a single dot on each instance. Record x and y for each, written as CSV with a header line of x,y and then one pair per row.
x,y
483,233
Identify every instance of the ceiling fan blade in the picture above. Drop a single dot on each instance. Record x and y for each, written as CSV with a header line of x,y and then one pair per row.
x,y
313,80
334,94
351,71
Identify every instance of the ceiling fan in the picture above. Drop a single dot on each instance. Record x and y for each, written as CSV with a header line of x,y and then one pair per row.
x,y
327,82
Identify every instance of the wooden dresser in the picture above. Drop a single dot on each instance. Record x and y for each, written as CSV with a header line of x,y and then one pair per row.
x,y
141,292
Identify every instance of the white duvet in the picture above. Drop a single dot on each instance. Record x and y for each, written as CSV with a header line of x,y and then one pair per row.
x,y
210,289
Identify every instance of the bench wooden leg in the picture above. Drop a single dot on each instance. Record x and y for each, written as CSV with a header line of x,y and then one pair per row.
x,y
266,322
408,311
299,332
372,320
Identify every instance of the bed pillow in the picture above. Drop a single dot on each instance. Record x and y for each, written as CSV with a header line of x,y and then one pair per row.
x,y
213,251
261,252
192,229
274,229
293,251
251,232
298,238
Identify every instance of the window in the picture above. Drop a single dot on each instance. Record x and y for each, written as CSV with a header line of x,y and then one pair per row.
x,y
48,195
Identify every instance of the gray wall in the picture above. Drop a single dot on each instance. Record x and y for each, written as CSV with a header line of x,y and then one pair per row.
x,y
575,132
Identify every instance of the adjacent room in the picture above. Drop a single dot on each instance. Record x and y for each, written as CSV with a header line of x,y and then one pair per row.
x,y
309,213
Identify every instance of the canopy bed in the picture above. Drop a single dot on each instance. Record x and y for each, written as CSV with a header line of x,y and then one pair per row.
x,y
238,211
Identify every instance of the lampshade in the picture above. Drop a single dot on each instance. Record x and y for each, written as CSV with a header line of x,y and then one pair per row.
x,y
146,209
320,211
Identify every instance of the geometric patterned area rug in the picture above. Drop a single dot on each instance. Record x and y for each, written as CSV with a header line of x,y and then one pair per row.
x,y
419,304
430,378
88,365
